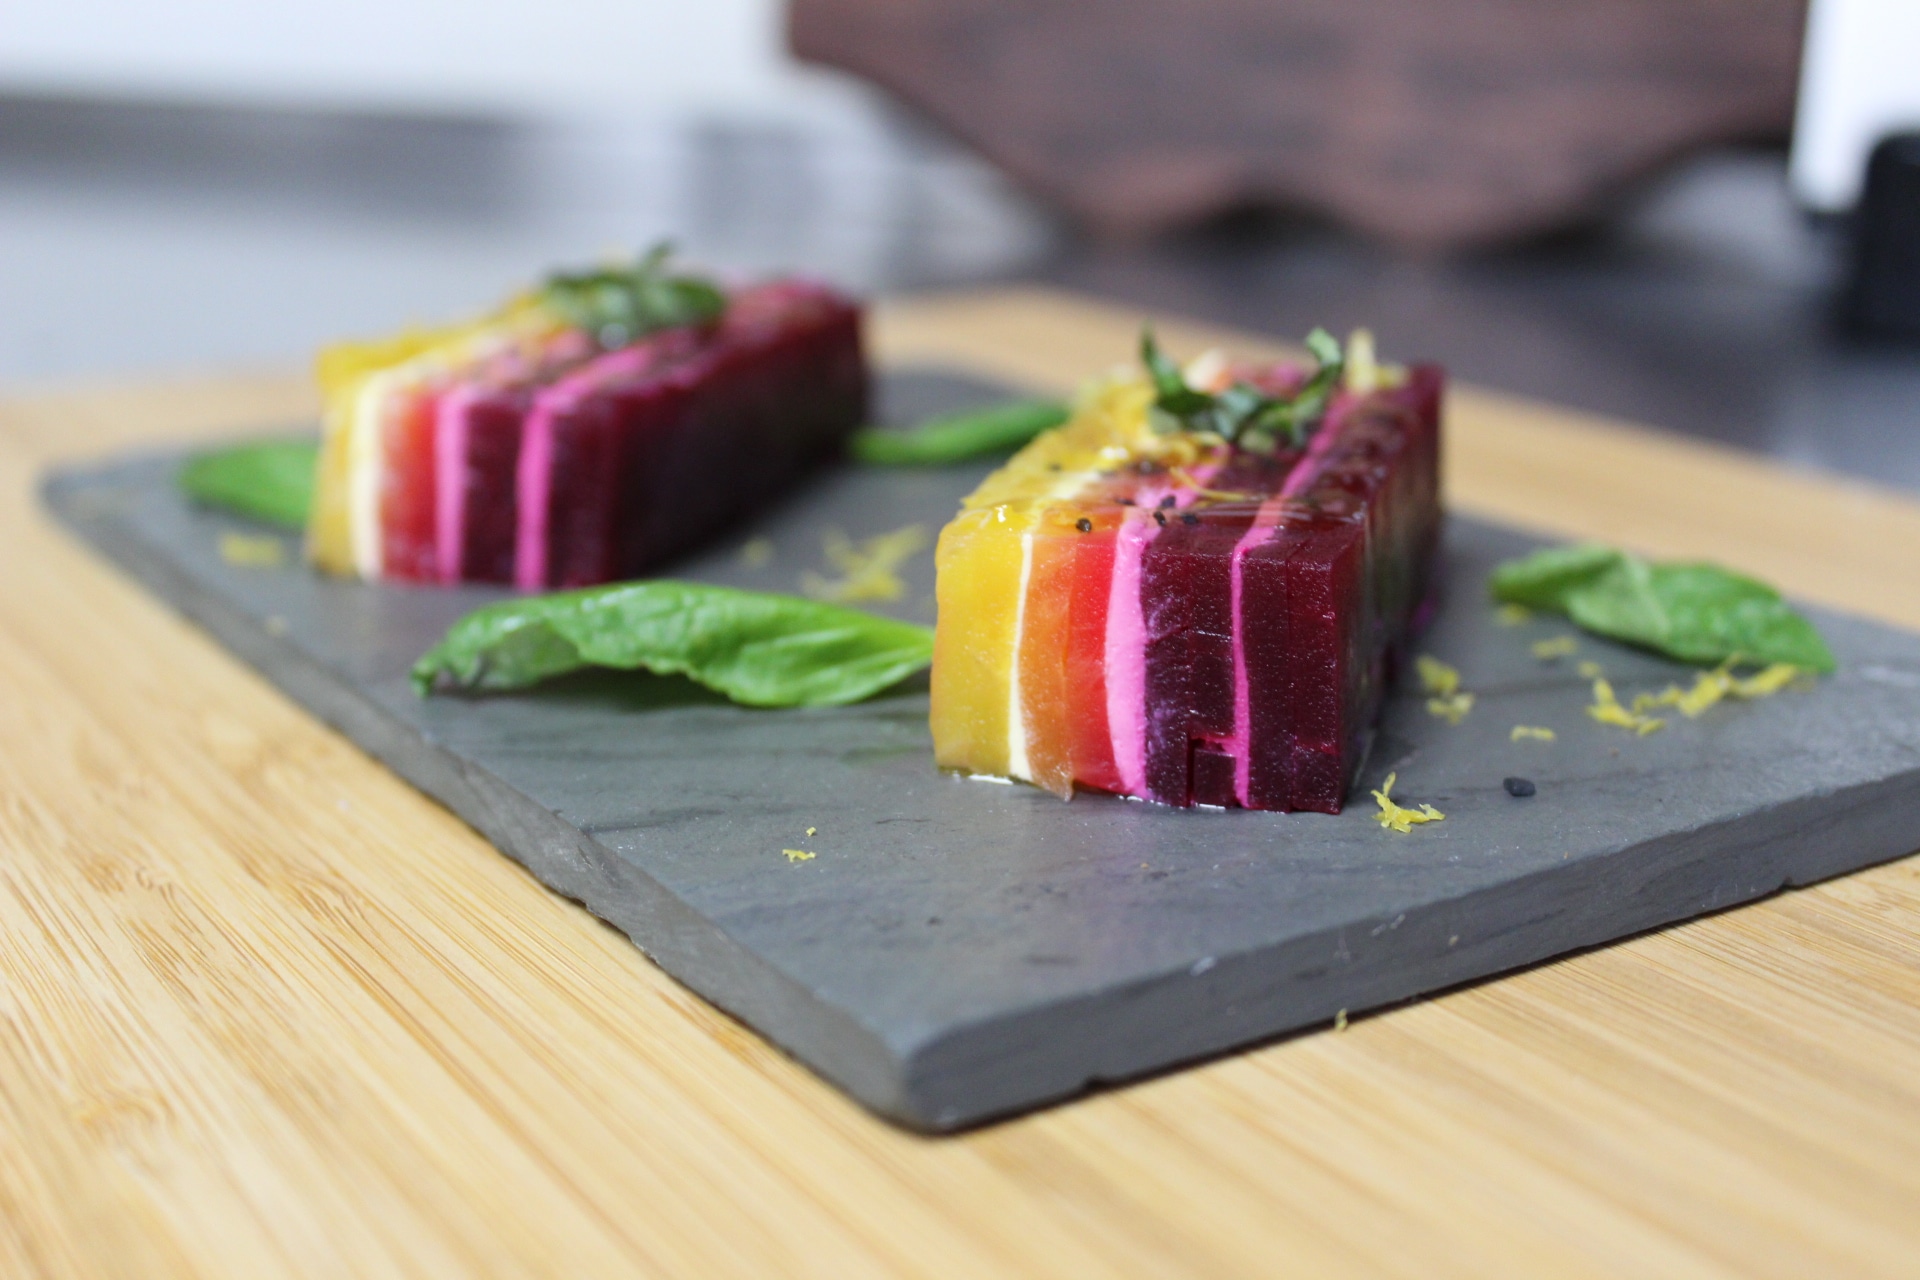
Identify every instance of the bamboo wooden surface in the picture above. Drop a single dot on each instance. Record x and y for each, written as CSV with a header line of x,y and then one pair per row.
x,y
268,1012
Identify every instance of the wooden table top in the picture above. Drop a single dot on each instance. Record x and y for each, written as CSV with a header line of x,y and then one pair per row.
x,y
269,1012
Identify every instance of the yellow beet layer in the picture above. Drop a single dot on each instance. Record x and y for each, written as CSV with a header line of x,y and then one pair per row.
x,y
353,378
977,590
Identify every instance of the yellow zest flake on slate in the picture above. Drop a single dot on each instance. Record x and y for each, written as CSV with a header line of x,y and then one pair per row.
x,y
1558,647
1606,709
810,831
1766,683
1513,615
756,553
1396,818
1436,677
869,569
1712,686
244,551
799,855
1522,732
1589,671
1448,702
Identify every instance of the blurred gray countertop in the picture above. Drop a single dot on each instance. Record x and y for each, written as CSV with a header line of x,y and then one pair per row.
x,y
145,239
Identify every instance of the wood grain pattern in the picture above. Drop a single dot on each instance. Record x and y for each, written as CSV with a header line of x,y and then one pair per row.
x,y
264,1011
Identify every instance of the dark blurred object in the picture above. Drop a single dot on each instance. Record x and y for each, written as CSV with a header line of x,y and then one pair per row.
x,y
1883,298
1430,124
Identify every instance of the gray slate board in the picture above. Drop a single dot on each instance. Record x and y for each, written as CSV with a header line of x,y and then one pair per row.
x,y
960,950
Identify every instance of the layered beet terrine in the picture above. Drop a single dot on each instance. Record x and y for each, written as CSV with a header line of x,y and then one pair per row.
x,y
583,433
1195,590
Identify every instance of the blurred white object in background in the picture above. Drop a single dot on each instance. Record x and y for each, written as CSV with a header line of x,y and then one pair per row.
x,y
1859,81
479,56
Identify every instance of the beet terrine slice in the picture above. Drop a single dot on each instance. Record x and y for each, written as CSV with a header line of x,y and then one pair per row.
x,y
1170,616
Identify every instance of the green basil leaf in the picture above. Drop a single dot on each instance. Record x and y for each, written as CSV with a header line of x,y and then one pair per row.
x,y
1712,614
269,480
1242,414
956,437
1325,348
1168,381
1544,579
1695,612
757,648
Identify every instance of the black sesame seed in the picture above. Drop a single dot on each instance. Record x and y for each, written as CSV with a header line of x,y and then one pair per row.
x,y
1126,502
1160,517
1166,502
1519,788
1083,524
1187,517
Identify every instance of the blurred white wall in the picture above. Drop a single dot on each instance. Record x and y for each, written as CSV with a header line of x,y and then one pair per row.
x,y
555,56
271,174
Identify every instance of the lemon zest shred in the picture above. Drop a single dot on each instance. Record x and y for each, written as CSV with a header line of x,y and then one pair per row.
x,y
1606,709
1437,677
1398,818
1766,683
1449,701
245,551
1522,732
1558,647
1711,687
1589,671
868,569
799,855
811,830
1513,615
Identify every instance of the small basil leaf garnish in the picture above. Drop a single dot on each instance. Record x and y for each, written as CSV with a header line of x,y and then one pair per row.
x,y
618,305
1243,415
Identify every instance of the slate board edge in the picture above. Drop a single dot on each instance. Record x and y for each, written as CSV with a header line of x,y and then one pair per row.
x,y
1047,1053
993,1066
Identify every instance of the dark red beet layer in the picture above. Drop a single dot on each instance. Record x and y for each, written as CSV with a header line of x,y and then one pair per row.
x,y
1327,605
650,464
495,420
